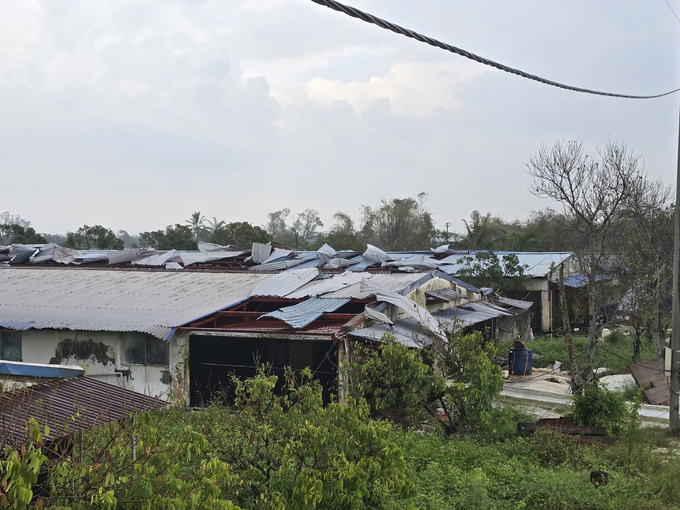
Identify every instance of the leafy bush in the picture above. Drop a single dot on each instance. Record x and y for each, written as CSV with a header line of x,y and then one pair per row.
x,y
292,452
597,406
457,371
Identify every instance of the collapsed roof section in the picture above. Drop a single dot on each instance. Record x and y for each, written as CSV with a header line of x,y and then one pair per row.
x,y
271,257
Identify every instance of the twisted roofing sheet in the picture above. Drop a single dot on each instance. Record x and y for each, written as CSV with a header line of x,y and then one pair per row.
x,y
148,302
303,314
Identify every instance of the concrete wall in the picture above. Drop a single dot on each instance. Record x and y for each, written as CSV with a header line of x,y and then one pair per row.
x,y
100,354
541,285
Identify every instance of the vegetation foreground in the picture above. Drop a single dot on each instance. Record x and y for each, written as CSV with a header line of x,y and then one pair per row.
x,y
291,451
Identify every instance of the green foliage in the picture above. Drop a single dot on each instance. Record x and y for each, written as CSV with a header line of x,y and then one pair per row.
x,y
294,452
547,349
179,237
457,371
616,337
396,377
239,235
13,233
341,236
93,238
399,224
597,406
19,470
485,269
473,381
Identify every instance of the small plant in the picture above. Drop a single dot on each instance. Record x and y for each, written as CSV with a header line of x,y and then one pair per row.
x,y
616,337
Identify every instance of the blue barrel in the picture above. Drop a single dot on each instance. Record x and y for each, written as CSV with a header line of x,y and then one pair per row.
x,y
519,361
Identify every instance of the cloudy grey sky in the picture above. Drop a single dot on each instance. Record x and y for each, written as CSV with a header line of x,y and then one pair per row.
x,y
135,113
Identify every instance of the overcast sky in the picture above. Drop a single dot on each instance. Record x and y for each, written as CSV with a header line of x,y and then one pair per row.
x,y
135,113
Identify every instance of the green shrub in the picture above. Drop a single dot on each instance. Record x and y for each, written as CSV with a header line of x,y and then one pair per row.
x,y
597,406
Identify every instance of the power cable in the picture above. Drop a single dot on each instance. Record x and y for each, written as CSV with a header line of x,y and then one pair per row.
x,y
672,10
369,18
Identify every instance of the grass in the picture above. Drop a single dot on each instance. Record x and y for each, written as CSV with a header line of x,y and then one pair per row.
x,y
616,354
501,470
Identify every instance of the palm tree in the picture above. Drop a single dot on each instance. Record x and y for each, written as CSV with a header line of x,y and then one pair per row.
x,y
479,231
197,224
214,224
521,241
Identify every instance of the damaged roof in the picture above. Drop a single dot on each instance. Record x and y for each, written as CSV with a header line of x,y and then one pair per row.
x,y
67,406
272,257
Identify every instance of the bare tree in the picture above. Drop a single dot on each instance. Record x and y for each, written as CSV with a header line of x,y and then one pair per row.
x,y
649,245
593,189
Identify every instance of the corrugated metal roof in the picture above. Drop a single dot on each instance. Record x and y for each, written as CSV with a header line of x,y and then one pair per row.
x,y
405,331
516,303
397,282
469,314
321,287
361,263
284,283
103,300
538,263
66,406
193,257
445,295
278,265
302,314
410,333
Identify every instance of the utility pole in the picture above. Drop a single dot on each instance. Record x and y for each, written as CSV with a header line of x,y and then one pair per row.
x,y
674,400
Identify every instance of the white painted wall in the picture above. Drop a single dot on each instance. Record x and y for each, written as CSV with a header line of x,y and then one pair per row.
x,y
108,364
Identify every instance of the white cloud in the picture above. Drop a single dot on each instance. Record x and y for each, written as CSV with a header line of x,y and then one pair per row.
x,y
20,33
414,89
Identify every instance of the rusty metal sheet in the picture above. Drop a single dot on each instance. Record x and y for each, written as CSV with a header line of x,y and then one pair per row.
x,y
66,406
652,372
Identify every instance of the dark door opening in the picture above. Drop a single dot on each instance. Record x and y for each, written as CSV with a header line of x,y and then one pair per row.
x,y
213,360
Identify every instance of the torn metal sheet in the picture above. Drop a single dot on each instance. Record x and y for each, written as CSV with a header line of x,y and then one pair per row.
x,y
279,253
159,259
326,253
321,287
417,261
284,283
469,314
405,331
515,303
208,247
192,257
261,252
370,313
302,314
375,254
413,309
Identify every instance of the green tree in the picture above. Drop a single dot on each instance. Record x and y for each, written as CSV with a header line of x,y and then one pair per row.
x,y
485,269
239,235
93,238
478,232
197,225
294,452
179,237
454,369
399,224
13,233
341,236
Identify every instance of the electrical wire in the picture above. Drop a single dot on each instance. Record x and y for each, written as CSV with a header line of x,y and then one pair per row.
x,y
369,18
672,10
